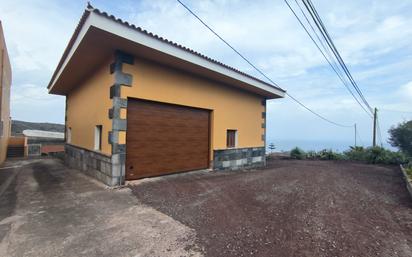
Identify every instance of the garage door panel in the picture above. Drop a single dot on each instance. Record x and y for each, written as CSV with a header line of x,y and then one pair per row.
x,y
164,138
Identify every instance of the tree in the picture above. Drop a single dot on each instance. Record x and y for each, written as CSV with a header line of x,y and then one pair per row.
x,y
401,137
272,147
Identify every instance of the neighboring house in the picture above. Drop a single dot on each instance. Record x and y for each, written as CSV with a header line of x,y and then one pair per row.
x,y
42,142
5,84
138,105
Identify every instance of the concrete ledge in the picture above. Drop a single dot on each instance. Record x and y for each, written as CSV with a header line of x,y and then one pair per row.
x,y
94,164
239,158
407,180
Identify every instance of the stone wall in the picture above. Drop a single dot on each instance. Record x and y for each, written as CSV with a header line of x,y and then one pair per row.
x,y
99,166
240,158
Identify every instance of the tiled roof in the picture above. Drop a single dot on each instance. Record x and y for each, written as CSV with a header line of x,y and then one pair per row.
x,y
90,8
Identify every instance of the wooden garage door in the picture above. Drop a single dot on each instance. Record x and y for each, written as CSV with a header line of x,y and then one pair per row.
x,y
164,138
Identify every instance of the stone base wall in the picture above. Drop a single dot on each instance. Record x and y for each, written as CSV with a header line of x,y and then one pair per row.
x,y
96,165
240,158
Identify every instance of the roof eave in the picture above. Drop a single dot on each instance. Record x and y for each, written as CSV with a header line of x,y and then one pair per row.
x,y
95,18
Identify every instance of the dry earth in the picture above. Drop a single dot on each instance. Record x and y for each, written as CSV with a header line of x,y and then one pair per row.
x,y
292,208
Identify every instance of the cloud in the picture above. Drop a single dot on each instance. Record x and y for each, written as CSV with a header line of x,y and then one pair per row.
x,y
373,37
406,91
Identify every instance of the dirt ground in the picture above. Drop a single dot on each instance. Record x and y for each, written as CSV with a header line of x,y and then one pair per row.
x,y
292,208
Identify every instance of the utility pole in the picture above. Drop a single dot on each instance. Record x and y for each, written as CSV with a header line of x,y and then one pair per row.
x,y
375,115
355,135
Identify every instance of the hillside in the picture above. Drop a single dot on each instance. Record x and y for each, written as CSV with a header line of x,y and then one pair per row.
x,y
18,126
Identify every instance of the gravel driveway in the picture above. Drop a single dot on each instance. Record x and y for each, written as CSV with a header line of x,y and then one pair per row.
x,y
292,208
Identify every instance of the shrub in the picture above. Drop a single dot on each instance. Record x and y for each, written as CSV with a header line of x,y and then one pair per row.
x,y
328,154
375,155
356,153
408,171
401,137
384,156
312,155
297,153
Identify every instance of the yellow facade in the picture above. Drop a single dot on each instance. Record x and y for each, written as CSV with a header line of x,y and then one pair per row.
x,y
88,104
232,108
5,84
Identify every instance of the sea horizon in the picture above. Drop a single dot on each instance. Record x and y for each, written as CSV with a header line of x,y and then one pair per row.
x,y
284,145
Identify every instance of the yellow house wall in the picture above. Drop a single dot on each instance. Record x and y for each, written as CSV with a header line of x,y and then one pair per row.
x,y
5,84
89,102
87,106
232,108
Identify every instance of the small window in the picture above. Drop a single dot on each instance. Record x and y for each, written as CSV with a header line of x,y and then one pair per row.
x,y
231,138
69,135
98,137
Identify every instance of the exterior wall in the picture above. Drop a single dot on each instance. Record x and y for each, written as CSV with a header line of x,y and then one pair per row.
x,y
101,99
87,106
5,84
232,108
240,158
94,164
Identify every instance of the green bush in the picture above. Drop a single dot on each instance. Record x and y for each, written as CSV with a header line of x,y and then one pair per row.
x,y
328,154
356,153
312,155
297,153
375,155
401,137
408,171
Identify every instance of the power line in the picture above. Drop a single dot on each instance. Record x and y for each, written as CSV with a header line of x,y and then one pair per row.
x,y
256,68
336,70
389,110
319,23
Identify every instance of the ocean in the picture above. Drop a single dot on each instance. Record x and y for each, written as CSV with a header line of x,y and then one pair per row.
x,y
315,145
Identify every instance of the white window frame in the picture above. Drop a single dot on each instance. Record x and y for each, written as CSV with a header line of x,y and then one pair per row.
x,y
98,131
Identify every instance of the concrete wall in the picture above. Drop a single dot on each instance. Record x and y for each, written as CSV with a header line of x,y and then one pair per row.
x,y
5,84
240,158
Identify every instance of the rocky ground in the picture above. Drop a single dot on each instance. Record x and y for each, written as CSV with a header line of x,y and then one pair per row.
x,y
292,208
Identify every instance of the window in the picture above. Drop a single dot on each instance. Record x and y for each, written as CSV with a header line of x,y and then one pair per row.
x,y
231,138
69,135
98,137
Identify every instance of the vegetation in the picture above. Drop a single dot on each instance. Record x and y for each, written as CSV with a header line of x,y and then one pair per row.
x,y
373,155
376,155
272,147
297,153
401,137
409,172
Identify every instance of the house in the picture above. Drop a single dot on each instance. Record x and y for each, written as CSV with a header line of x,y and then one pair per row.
x,y
41,142
5,84
138,105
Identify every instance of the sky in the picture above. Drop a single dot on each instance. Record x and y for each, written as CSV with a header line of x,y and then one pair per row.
x,y
373,37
